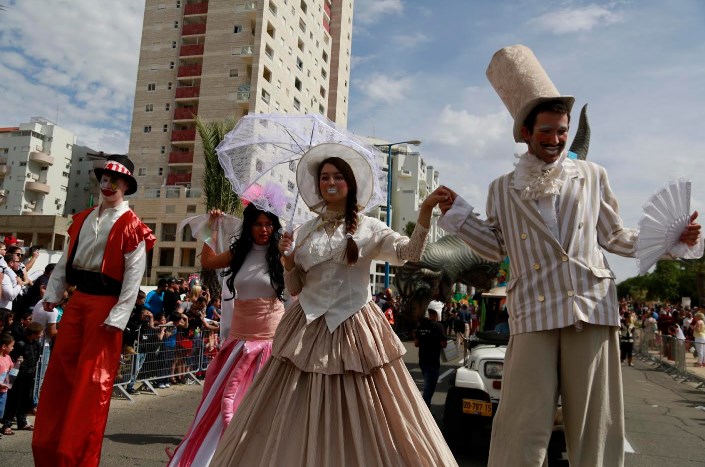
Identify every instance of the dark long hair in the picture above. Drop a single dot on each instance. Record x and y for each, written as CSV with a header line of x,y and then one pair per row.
x,y
243,244
352,252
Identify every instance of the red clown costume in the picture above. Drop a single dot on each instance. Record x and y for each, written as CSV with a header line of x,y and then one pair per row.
x,y
105,260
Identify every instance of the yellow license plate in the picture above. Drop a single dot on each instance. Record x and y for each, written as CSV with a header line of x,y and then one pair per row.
x,y
474,407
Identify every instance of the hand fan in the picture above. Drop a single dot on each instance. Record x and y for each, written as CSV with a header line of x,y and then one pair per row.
x,y
665,216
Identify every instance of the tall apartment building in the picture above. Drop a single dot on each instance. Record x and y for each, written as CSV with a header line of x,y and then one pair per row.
x,y
222,59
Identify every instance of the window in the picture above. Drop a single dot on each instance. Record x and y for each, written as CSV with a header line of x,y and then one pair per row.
x,y
142,171
302,25
154,67
171,65
259,165
190,209
186,234
176,25
167,107
166,257
234,73
168,232
272,8
173,44
270,30
178,3
148,129
299,64
300,44
290,186
152,87
324,73
165,128
297,83
149,108
237,29
297,104
168,86
188,257
325,56
269,51
265,98
161,170
303,6
267,74
292,166
163,150
323,92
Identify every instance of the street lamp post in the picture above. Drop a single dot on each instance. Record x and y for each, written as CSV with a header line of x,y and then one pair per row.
x,y
413,142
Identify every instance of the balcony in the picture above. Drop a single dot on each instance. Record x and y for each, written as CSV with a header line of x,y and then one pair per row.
x,y
193,29
187,92
196,9
183,135
189,70
4,170
185,113
247,51
37,187
191,50
178,179
181,158
42,158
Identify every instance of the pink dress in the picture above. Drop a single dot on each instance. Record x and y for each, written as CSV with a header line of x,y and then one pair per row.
x,y
229,375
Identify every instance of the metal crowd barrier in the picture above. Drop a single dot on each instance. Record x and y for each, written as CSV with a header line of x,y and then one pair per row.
x,y
163,354
667,351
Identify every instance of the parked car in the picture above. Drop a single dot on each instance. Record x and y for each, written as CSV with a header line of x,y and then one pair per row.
x,y
475,392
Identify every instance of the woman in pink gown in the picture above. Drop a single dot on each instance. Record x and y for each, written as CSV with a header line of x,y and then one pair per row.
x,y
255,274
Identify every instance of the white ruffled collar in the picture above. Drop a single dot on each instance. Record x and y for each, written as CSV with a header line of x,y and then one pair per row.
x,y
535,179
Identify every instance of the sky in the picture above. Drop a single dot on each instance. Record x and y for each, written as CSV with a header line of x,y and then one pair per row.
x,y
418,72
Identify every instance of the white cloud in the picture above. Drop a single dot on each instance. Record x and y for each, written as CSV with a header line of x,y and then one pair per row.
x,y
384,88
473,132
572,20
410,40
372,11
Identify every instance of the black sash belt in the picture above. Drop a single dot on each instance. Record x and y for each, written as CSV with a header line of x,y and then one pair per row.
x,y
93,283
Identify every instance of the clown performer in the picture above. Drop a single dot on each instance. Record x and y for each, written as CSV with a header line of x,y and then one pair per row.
x,y
105,260
554,217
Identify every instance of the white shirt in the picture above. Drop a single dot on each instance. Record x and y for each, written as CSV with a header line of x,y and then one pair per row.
x,y
89,257
327,285
44,317
252,280
10,288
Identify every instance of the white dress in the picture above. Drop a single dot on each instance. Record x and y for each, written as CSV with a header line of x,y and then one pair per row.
x,y
336,391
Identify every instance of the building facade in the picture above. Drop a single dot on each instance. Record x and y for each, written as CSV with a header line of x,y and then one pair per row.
x,y
219,60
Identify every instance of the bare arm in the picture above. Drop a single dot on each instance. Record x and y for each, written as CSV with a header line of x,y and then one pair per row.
x,y
211,260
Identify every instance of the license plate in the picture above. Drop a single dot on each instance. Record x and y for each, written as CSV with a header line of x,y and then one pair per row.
x,y
474,407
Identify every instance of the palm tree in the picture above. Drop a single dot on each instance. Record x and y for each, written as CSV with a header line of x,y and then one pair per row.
x,y
217,190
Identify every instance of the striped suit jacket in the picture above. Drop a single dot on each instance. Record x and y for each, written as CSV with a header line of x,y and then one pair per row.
x,y
554,282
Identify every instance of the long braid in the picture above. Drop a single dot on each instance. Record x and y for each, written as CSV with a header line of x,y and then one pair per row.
x,y
352,251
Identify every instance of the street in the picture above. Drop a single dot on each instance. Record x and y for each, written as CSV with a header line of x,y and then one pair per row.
x,y
665,422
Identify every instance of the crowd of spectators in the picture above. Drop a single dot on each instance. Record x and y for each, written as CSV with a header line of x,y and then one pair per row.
x,y
679,323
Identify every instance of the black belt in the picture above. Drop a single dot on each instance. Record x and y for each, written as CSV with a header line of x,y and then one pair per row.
x,y
93,283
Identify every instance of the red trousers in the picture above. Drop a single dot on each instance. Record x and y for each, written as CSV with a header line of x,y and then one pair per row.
x,y
75,398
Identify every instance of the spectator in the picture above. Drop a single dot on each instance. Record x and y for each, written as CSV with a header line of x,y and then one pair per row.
x,y
213,310
36,292
502,326
7,343
626,338
31,258
11,286
47,319
171,297
430,339
699,337
155,299
19,397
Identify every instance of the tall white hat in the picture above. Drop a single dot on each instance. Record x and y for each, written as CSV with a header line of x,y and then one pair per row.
x,y
521,82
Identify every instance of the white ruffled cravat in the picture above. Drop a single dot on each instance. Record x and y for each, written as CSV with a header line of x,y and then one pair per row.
x,y
541,182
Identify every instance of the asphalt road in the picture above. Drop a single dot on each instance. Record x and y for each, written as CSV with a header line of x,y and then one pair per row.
x,y
665,421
